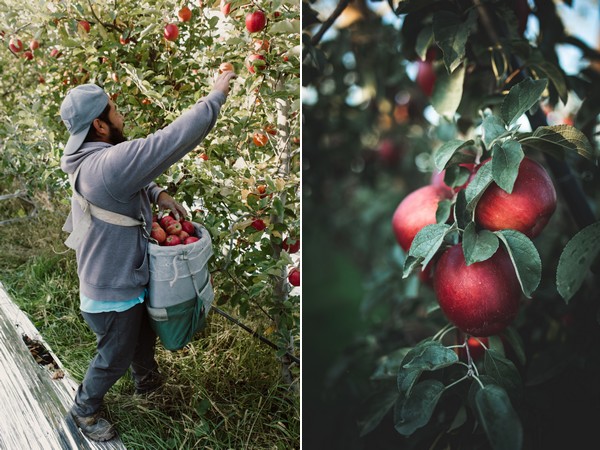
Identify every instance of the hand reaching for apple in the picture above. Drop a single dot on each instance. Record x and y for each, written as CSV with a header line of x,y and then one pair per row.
x,y
165,201
222,81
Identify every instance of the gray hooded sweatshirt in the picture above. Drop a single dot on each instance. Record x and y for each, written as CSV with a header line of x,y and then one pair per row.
x,y
112,262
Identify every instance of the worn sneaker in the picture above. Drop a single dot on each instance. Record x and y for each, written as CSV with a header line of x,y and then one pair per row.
x,y
95,427
149,383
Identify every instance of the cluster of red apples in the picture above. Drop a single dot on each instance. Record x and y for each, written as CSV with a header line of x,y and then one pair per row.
x,y
256,21
168,231
483,298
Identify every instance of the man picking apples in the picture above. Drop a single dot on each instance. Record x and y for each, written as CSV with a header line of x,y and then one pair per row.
x,y
117,174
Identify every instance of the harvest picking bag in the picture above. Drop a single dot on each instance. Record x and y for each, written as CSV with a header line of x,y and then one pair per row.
x,y
180,292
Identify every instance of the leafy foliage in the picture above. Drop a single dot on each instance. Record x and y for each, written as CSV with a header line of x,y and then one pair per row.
x,y
492,81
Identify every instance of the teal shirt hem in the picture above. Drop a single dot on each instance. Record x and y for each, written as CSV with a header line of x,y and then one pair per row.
x,y
91,306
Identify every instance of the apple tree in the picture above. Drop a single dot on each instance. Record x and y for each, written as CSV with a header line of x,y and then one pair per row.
x,y
155,59
452,149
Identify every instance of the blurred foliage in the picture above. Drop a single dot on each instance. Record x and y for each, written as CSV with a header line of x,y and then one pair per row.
x,y
368,140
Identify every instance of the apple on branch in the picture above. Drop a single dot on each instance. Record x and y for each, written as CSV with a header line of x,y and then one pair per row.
x,y
171,32
15,45
416,211
527,208
256,21
481,299
294,276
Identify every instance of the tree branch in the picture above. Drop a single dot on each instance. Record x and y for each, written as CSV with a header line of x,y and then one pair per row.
x,y
330,20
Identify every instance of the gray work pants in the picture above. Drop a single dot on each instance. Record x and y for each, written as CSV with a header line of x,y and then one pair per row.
x,y
123,339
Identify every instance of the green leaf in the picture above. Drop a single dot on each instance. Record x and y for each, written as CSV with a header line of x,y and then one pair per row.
x,y
414,412
480,246
498,418
408,6
505,164
278,207
503,371
559,138
493,127
432,356
443,211
515,341
525,259
575,260
521,98
456,175
480,182
377,406
451,34
424,41
447,92
424,246
406,380
444,153
539,64
461,212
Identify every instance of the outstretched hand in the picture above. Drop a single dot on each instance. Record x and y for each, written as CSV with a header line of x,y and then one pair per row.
x,y
223,80
165,201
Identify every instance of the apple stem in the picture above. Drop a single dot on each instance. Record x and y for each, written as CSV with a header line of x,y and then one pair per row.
x,y
440,334
456,382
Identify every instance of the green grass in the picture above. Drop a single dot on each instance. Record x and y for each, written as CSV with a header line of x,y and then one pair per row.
x,y
223,389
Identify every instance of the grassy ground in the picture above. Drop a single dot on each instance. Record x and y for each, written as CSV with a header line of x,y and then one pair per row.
x,y
223,389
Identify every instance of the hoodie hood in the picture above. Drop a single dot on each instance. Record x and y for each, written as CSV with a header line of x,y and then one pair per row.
x,y
70,163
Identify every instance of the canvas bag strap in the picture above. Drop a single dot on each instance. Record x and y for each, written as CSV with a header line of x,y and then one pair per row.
x,y
81,228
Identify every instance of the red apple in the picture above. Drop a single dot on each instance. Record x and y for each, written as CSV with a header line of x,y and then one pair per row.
x,y
294,277
191,240
258,224
172,239
426,274
34,45
416,211
185,14
171,32
426,73
165,221
261,44
256,21
290,247
15,45
173,227
481,299
255,67
188,227
183,235
55,53
226,67
225,7
85,25
28,55
426,77
260,139
527,209
158,234
389,152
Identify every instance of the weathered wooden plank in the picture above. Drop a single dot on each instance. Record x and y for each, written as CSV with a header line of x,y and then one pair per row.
x,y
33,405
